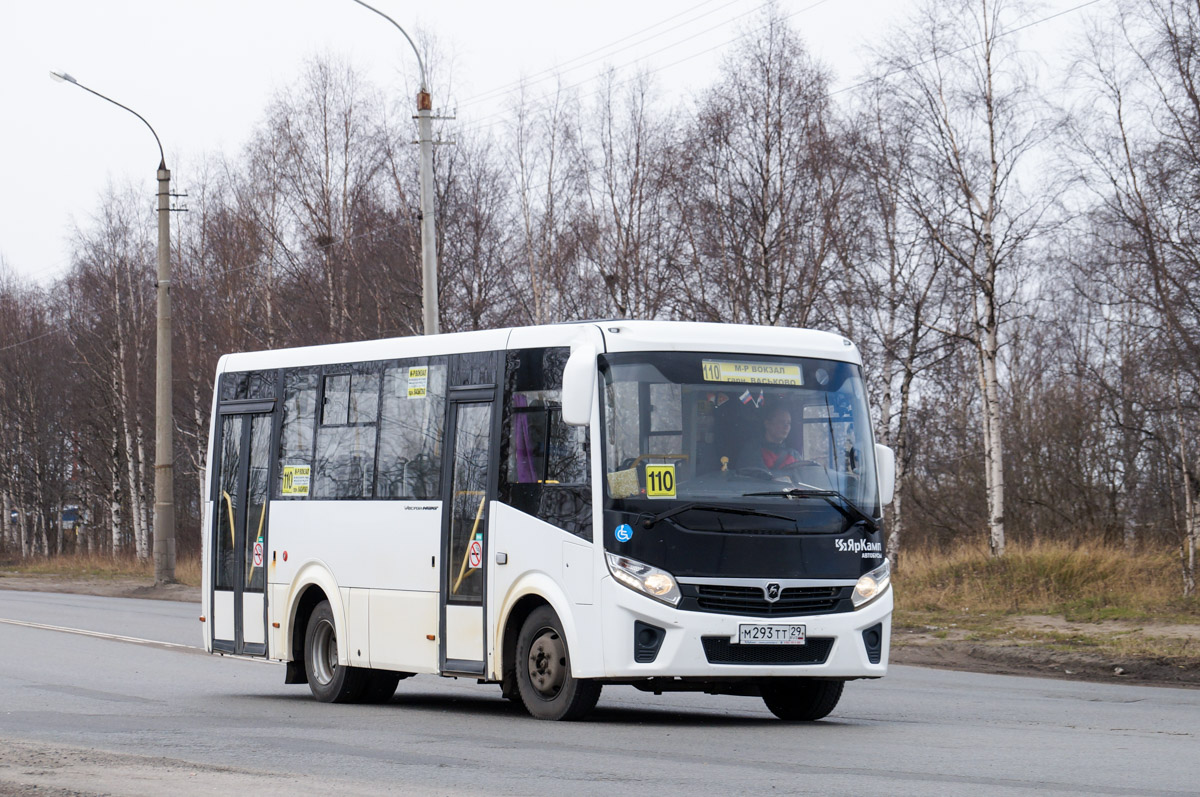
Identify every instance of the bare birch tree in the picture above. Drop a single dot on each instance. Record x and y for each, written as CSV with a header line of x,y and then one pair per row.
x,y
545,171
1136,141
631,241
976,123
894,282
760,180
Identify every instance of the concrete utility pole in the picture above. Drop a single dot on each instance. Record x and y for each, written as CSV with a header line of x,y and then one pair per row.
x,y
164,422
429,275
164,417
429,279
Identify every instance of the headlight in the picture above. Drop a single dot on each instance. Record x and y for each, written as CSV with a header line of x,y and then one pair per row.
x,y
872,585
658,584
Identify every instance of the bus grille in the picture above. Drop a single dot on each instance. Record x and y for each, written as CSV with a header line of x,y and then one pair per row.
x,y
719,650
793,601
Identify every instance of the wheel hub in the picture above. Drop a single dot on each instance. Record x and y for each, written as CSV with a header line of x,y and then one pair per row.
x,y
547,663
324,653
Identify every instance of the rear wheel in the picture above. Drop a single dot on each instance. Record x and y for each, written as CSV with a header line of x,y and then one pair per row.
x,y
543,670
329,682
802,699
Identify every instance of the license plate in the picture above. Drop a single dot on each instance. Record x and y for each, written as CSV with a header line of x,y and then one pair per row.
x,y
753,634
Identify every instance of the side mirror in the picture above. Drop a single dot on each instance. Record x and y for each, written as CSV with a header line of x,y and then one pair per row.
x,y
579,385
885,469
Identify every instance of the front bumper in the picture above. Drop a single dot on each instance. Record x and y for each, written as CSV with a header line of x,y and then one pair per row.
x,y
682,653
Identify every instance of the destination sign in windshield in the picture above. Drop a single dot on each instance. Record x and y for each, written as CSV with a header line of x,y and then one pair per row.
x,y
752,373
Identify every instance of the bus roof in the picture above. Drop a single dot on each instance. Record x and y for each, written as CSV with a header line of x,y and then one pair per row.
x,y
732,338
618,335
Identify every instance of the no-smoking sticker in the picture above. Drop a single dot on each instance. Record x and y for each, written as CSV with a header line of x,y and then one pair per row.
x,y
258,554
475,554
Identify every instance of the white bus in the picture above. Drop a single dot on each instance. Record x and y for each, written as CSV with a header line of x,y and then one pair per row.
x,y
672,506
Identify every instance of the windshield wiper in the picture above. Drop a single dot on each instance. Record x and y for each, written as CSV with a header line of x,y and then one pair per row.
x,y
732,510
834,498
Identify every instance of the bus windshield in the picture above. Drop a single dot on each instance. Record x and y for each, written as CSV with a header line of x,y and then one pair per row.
x,y
736,429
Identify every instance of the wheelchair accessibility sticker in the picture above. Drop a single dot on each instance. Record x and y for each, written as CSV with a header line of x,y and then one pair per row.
x,y
624,532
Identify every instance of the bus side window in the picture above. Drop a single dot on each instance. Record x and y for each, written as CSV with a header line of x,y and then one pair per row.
x,y
546,464
296,440
567,452
344,465
247,385
410,429
527,440
541,448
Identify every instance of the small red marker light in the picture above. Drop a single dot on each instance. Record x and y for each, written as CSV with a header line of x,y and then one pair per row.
x,y
202,619
285,556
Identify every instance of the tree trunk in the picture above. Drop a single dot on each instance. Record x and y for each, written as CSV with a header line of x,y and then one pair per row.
x,y
1187,547
994,453
114,501
145,503
202,446
8,537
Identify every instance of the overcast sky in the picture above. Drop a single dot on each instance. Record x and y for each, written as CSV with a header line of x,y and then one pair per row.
x,y
203,71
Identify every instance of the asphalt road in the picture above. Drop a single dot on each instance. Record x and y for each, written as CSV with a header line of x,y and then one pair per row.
x,y
83,714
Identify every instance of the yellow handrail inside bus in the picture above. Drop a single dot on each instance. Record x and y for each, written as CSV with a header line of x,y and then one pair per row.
x,y
462,570
229,503
642,457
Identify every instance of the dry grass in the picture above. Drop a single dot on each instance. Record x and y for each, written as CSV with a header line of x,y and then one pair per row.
x,y
967,594
1083,583
102,566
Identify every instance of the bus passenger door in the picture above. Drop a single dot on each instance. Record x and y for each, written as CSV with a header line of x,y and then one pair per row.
x,y
239,529
464,533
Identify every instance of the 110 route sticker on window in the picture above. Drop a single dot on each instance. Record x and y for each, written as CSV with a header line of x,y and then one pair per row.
x,y
660,481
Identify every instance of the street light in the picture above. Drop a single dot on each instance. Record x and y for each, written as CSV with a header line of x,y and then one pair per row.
x,y
429,299
164,443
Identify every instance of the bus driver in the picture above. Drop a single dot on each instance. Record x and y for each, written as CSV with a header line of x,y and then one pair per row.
x,y
771,452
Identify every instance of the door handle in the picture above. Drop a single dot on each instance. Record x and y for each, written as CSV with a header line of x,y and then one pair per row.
x,y
501,558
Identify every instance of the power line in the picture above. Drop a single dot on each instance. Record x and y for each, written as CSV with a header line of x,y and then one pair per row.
x,y
964,48
909,67
46,334
559,69
515,191
482,121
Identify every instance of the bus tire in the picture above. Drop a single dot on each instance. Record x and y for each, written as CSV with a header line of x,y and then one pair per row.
x,y
801,699
329,682
543,669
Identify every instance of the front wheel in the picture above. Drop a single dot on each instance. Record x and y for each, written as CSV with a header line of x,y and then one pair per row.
x,y
543,670
802,699
329,682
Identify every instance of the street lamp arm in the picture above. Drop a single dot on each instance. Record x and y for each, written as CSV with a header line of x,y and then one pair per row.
x,y
429,293
65,77
420,62
164,426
